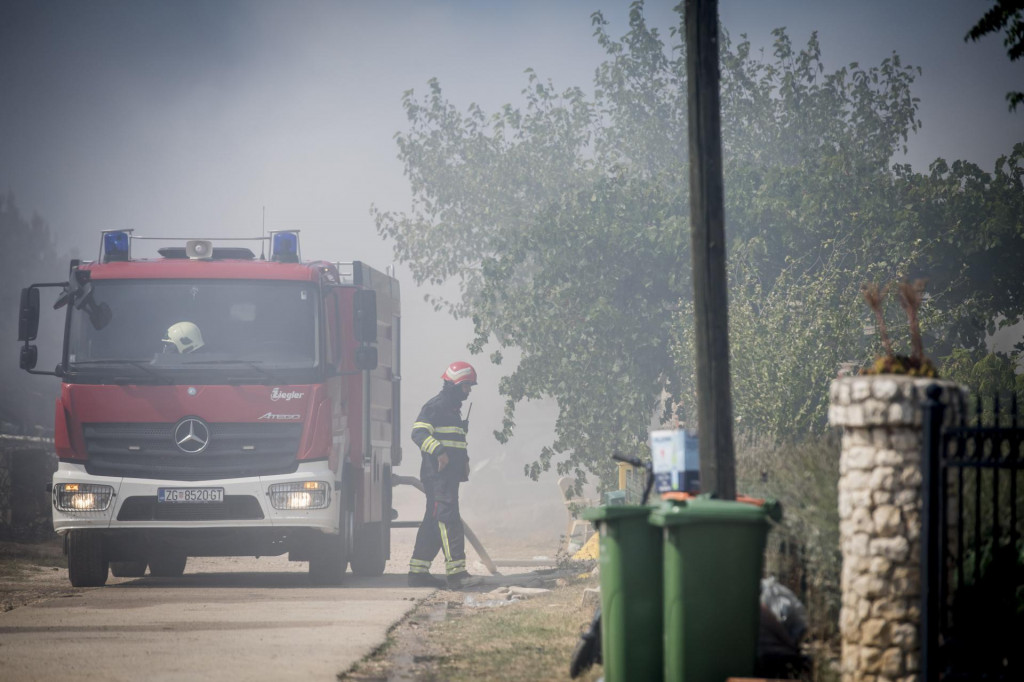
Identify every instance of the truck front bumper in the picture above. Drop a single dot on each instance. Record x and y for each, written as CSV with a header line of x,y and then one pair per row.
x,y
136,503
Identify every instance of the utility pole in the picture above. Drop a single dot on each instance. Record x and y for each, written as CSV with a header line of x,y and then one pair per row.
x,y
707,243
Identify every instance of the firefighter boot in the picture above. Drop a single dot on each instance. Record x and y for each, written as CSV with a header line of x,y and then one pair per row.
x,y
463,580
426,580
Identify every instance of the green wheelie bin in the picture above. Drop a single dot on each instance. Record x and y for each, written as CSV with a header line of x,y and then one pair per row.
x,y
631,583
713,558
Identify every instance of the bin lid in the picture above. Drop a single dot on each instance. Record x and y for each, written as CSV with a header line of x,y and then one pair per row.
x,y
705,510
614,512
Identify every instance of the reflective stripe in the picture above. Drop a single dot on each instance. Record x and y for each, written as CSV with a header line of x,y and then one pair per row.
x,y
450,429
460,444
444,541
455,566
423,425
419,566
429,445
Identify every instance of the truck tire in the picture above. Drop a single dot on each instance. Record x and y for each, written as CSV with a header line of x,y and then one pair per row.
x,y
373,540
328,562
87,564
128,569
388,512
167,565
369,554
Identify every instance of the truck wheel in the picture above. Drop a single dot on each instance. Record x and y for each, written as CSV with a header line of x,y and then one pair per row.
x,y
128,569
373,540
389,493
369,554
87,565
169,565
328,561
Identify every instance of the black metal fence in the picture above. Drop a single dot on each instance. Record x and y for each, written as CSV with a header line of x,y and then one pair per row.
x,y
972,615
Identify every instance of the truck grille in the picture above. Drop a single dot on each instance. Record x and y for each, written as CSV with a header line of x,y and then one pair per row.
x,y
148,450
234,508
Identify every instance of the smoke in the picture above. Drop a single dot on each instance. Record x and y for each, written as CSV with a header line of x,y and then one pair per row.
x,y
187,118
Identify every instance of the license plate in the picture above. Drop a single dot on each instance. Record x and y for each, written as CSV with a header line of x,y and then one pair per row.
x,y
190,495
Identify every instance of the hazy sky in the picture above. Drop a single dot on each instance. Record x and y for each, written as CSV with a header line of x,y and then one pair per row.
x,y
187,118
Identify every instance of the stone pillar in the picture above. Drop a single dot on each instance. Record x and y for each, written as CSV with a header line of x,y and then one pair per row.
x,y
880,523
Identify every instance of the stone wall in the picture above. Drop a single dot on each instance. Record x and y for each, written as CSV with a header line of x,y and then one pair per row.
x,y
880,523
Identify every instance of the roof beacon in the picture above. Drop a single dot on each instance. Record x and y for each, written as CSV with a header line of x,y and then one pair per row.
x,y
284,246
116,246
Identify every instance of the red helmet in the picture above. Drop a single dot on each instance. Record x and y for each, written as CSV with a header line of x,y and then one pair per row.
x,y
460,373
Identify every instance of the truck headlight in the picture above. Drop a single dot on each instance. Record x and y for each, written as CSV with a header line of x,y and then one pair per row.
x,y
302,495
82,497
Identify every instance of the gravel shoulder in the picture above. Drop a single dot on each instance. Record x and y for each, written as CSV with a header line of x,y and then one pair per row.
x,y
31,573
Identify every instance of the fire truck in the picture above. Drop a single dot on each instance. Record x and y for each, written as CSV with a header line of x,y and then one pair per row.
x,y
218,403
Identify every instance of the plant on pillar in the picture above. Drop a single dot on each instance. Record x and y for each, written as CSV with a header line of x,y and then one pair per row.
x,y
916,364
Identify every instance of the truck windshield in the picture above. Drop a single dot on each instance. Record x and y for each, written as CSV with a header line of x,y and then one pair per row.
x,y
164,328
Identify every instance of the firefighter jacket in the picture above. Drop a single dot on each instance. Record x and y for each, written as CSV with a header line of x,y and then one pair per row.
x,y
440,429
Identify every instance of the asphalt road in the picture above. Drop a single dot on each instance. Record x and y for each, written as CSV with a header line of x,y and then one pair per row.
x,y
225,619
242,618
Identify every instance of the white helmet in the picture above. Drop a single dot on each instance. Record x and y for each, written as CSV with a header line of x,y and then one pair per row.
x,y
185,336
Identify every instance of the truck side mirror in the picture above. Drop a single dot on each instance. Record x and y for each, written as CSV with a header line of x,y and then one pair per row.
x,y
28,316
29,357
364,316
366,357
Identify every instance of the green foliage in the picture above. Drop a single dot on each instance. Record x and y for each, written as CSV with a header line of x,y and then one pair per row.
x,y
564,223
985,373
1008,16
804,548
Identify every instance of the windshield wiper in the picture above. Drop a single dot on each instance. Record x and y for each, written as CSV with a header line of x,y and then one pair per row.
x,y
258,366
138,364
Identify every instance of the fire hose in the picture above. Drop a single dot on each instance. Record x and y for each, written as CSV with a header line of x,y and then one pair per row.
x,y
470,535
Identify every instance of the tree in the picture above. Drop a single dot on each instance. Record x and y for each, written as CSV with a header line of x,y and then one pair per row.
x,y
815,211
565,225
27,256
1004,15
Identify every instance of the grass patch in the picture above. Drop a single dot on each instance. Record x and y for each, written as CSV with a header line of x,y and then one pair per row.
x,y
528,640
17,560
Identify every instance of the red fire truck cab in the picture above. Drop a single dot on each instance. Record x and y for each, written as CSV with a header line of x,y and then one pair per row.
x,y
216,403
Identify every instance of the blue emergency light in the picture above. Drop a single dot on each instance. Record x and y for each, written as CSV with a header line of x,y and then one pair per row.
x,y
284,247
116,246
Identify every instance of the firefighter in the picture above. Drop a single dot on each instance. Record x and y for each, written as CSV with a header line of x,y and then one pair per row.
x,y
440,434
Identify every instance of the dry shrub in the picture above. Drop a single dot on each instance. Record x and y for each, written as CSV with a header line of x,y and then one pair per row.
x,y
803,549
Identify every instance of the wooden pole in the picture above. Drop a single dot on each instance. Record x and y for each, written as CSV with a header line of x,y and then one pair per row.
x,y
707,240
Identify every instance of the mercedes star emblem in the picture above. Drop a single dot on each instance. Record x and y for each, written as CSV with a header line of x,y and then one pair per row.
x,y
192,435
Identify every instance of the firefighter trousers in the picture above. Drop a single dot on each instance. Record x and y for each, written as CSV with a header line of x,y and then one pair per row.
x,y
442,525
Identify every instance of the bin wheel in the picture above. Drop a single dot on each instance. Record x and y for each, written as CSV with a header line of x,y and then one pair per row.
x,y
588,649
